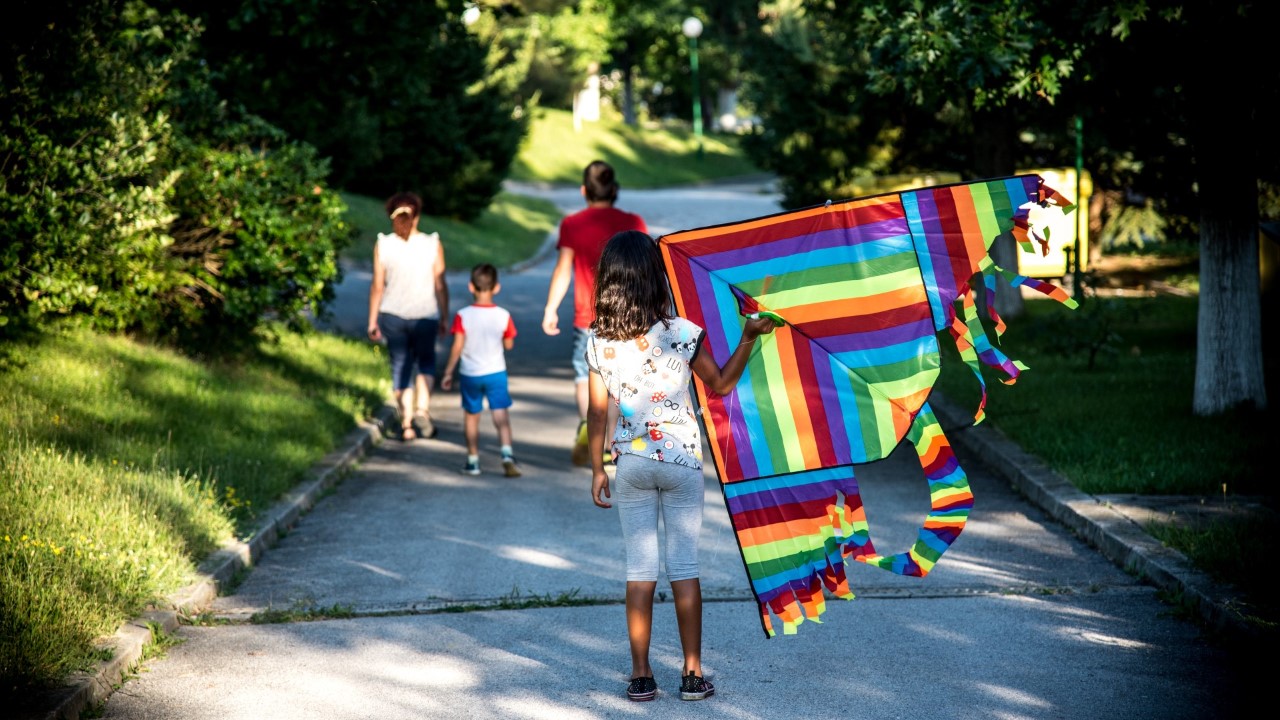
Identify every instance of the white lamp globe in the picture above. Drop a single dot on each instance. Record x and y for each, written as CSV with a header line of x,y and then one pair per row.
x,y
691,27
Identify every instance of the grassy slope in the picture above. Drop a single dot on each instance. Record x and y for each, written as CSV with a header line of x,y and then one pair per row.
x,y
122,465
554,152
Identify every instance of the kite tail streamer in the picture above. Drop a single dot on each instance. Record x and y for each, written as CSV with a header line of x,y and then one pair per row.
x,y
1023,231
1039,286
950,501
794,532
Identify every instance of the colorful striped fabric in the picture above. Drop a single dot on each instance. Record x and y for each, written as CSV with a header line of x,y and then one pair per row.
x,y
863,287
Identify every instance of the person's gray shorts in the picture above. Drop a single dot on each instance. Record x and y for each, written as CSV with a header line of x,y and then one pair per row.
x,y
580,369
641,488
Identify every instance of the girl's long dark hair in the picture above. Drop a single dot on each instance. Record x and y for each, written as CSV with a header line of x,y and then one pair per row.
x,y
631,287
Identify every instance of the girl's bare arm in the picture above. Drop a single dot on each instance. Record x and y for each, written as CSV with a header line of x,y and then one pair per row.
x,y
722,380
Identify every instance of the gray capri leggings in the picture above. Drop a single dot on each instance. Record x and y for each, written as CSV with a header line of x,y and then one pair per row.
x,y
640,486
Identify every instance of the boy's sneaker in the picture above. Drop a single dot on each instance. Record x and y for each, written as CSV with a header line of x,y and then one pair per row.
x,y
471,468
642,689
509,467
693,687
581,455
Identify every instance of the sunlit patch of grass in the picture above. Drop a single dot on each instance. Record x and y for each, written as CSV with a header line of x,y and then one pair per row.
x,y
644,157
122,465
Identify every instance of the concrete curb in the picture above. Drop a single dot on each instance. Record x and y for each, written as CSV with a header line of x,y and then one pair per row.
x,y
221,568
1117,536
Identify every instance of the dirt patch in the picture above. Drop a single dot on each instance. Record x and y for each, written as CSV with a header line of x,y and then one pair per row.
x,y
1142,274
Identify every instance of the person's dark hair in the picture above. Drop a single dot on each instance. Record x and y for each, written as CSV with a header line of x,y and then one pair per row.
x,y
631,287
599,180
402,199
484,276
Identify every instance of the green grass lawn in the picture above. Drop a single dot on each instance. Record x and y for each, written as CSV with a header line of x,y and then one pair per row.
x,y
508,231
644,157
122,465
1125,425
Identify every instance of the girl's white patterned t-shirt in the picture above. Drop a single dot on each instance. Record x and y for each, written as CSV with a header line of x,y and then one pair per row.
x,y
648,378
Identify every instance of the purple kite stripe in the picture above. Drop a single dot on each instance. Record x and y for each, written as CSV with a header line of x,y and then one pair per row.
x,y
936,241
767,497
883,337
831,402
827,239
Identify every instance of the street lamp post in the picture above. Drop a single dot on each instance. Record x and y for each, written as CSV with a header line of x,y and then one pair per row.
x,y
692,28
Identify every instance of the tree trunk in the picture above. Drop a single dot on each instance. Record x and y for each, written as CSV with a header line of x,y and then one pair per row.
x,y
1229,327
993,158
629,95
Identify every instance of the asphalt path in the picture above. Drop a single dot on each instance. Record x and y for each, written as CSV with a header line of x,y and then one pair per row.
x,y
437,571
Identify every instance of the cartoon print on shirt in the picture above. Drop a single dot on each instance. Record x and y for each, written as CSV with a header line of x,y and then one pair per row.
x,y
651,384
654,432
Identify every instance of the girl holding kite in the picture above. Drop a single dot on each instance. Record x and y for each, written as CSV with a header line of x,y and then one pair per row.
x,y
641,356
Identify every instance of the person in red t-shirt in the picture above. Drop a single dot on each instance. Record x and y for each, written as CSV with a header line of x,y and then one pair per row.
x,y
582,238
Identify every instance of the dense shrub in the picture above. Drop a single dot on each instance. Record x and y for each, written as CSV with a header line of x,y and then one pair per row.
x,y
257,234
83,130
131,195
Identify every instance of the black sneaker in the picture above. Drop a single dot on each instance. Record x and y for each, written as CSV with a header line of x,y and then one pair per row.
x,y
693,687
642,689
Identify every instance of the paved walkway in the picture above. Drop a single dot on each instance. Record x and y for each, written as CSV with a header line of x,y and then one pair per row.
x,y
1021,618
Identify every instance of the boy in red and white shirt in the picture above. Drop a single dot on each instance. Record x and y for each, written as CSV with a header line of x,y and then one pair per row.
x,y
483,332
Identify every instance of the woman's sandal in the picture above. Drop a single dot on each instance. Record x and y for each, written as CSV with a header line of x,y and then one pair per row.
x,y
407,433
423,426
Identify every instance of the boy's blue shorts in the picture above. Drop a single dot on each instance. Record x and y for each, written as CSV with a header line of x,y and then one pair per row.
x,y
478,388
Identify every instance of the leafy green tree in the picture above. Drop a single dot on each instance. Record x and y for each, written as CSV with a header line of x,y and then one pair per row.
x,y
83,186
132,195
824,129
991,70
397,94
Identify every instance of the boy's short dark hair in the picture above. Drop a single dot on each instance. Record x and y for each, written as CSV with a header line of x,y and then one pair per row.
x,y
484,276
404,199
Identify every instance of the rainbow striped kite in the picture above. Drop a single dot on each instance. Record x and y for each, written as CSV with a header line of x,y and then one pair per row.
x,y
861,287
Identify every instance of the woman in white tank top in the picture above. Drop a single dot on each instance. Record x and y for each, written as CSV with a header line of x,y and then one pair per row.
x,y
408,304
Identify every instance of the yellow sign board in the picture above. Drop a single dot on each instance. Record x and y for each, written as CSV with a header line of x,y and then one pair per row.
x,y
1063,229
